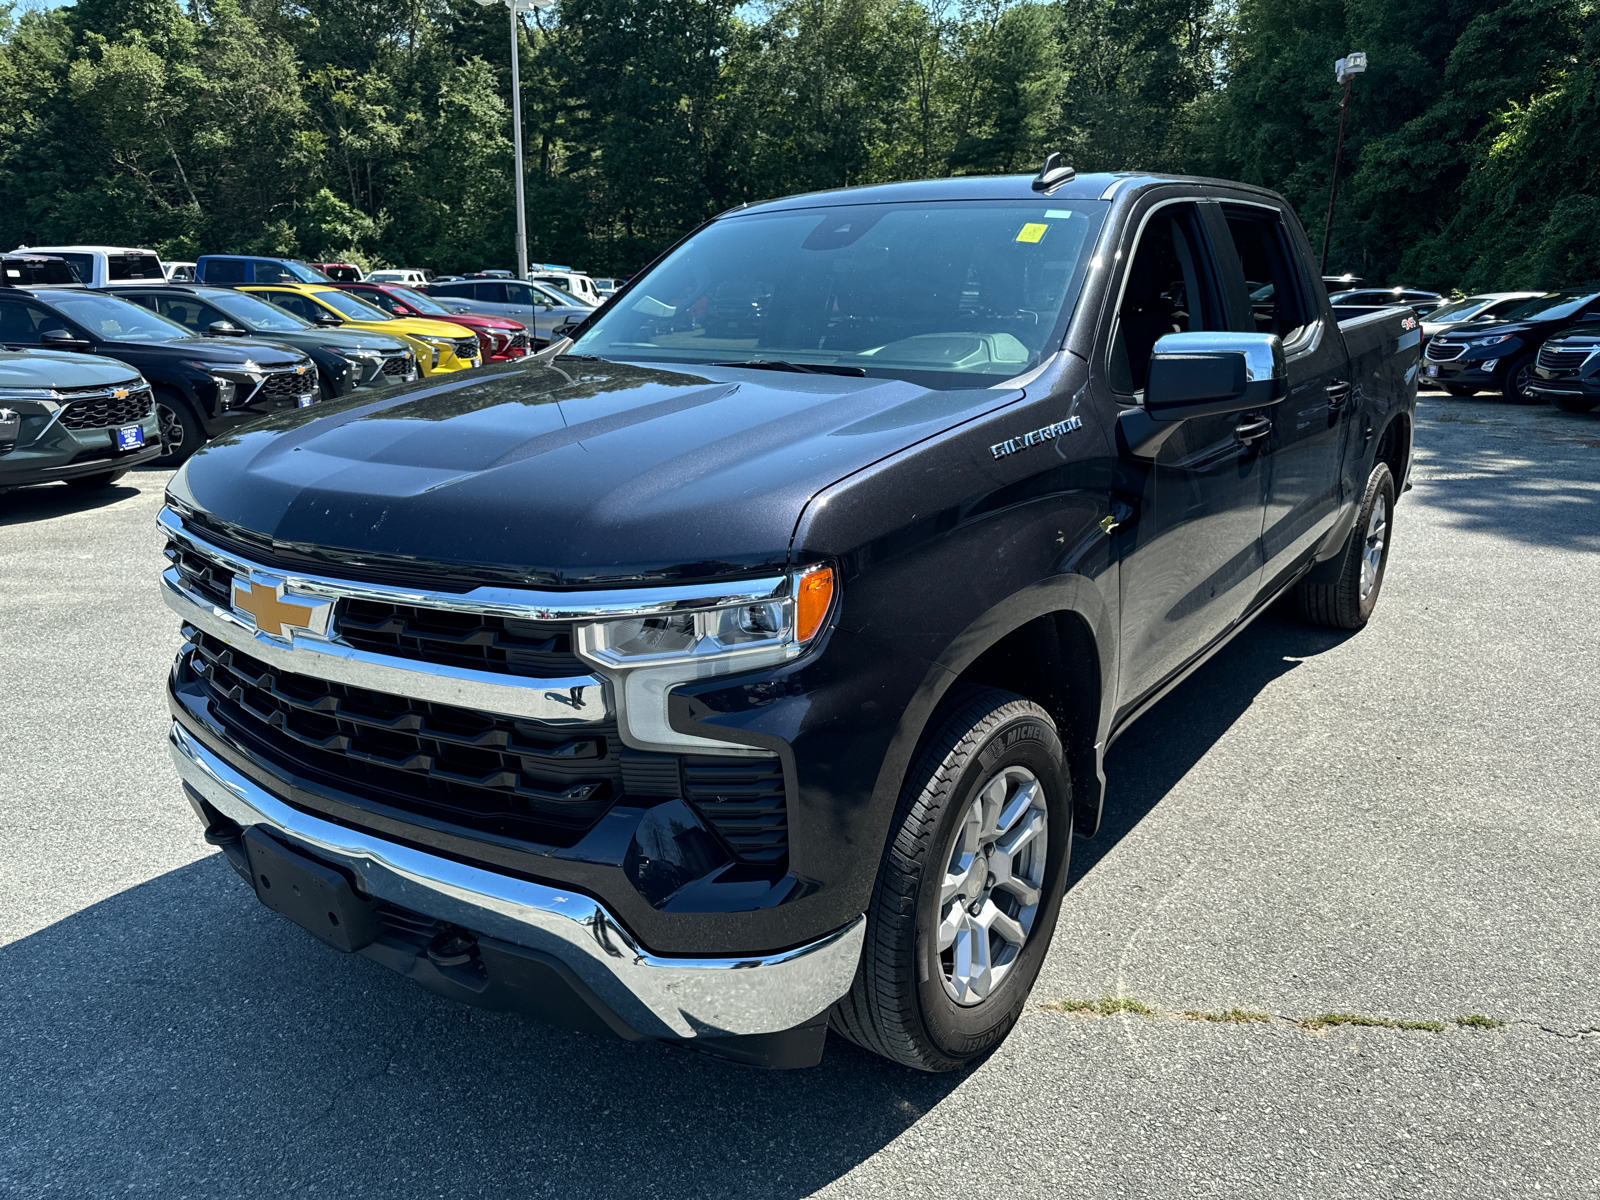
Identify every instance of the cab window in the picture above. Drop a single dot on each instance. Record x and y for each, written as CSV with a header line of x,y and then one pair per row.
x,y
1171,287
1278,302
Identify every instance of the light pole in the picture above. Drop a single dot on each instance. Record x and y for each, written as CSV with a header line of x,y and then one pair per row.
x,y
518,6
1347,68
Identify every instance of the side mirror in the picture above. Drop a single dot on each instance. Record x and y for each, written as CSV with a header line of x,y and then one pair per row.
x,y
327,318
60,339
1202,375
224,329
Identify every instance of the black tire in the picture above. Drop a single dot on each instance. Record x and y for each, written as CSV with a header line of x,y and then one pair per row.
x,y
1574,404
1515,385
900,1005
180,429
100,480
1346,601
1460,392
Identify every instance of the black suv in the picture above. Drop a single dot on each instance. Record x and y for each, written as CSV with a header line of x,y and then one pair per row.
x,y
1500,355
346,359
204,386
1567,370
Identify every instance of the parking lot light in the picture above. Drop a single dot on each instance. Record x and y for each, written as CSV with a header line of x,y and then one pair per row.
x,y
518,6
1345,69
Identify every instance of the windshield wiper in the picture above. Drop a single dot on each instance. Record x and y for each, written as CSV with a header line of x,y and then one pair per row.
x,y
774,364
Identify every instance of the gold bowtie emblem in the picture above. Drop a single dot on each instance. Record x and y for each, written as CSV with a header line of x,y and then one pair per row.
x,y
272,614
119,393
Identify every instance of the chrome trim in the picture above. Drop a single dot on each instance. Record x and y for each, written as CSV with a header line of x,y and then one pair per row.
x,y
526,604
659,996
1263,352
570,700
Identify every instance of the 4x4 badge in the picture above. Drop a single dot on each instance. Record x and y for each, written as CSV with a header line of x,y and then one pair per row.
x,y
1036,438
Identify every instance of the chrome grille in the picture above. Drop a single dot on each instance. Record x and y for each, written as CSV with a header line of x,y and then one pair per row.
x,y
1445,351
484,643
1560,358
106,410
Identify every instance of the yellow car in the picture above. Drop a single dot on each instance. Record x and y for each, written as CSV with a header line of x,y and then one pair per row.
x,y
440,345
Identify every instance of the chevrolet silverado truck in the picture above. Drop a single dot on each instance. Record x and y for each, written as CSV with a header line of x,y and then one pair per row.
x,y
725,686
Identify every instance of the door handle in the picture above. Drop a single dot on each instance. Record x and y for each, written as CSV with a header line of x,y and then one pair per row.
x,y
1338,393
1253,430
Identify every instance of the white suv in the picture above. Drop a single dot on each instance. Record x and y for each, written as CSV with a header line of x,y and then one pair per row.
x,y
573,283
100,265
402,275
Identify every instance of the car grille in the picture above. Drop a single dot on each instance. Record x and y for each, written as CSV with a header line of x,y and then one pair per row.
x,y
467,348
1445,351
201,575
1560,358
398,364
743,799
503,645
490,774
519,340
107,410
282,385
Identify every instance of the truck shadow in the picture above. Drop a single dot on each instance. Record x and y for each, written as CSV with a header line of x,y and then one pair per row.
x,y
179,1038
1147,762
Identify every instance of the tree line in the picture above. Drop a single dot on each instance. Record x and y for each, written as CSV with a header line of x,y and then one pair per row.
x,y
380,131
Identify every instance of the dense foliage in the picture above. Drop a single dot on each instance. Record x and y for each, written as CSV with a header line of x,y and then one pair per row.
x,y
379,130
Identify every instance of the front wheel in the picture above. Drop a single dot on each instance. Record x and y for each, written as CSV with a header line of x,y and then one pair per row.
x,y
1518,385
1575,404
1347,601
180,429
969,888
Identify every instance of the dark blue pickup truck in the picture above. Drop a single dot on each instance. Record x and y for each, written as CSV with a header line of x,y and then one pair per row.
x,y
725,683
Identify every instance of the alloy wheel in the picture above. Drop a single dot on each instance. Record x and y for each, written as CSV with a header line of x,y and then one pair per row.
x,y
170,428
990,894
1372,556
1522,385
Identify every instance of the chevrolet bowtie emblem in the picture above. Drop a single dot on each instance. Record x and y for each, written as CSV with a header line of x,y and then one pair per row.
x,y
276,614
299,370
119,393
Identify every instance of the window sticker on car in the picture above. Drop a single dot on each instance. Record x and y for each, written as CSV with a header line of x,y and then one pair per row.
x,y
1032,232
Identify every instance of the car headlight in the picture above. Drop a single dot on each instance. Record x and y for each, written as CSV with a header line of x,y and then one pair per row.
x,y
1493,341
647,656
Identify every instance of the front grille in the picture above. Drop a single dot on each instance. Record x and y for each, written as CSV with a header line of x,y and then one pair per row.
x,y
503,645
1445,351
202,575
495,775
107,410
399,364
467,348
283,385
743,800
1559,358
519,340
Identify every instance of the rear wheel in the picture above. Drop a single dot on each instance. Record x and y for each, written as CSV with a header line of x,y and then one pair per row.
x,y
180,429
1575,404
969,889
1518,385
1462,392
1347,601
99,480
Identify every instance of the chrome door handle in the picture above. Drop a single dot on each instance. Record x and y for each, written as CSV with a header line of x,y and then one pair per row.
x,y
1338,393
1253,430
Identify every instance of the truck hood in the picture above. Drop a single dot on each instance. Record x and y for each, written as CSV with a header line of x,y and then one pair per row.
x,y
59,369
575,473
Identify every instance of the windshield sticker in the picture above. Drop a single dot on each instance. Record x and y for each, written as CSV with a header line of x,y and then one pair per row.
x,y
1032,232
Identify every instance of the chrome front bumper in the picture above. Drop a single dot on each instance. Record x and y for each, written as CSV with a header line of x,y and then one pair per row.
x,y
658,996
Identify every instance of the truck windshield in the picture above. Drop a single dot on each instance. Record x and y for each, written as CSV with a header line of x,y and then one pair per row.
x,y
945,293
255,314
116,320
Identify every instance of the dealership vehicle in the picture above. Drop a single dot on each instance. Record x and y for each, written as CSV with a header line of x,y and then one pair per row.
x,y
1368,299
1473,308
1566,370
607,287
439,345
540,308
573,283
714,688
341,272
83,420
500,339
407,276
230,270
97,266
178,272
1500,354
347,359
37,270
203,386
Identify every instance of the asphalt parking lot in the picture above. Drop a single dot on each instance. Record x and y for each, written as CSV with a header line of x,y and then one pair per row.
x,y
1401,825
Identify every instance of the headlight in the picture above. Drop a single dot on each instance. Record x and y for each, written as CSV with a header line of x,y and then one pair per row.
x,y
1493,341
647,656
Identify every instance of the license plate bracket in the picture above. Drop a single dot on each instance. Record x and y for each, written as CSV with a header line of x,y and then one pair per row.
x,y
312,894
130,437
1433,371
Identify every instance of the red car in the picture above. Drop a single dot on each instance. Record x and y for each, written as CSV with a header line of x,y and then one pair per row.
x,y
500,338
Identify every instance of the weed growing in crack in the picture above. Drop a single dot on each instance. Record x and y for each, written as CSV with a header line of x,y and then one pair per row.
x,y
1327,1020
1233,1016
1104,1007
1478,1021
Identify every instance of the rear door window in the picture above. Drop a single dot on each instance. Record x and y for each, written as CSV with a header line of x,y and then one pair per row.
x,y
1278,300
21,324
494,293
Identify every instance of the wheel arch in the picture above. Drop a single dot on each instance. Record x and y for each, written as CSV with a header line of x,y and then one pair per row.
x,y
1394,448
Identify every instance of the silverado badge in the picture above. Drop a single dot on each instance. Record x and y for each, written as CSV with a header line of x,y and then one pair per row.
x,y
277,612
1035,437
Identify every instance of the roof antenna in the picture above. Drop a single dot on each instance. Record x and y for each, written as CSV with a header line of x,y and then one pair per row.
x,y
1052,174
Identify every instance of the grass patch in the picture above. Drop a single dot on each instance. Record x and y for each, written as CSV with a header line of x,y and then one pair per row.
x,y
1478,1021
1233,1016
1103,1007
1327,1020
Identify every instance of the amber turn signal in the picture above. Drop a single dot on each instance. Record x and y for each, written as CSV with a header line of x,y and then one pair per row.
x,y
813,594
